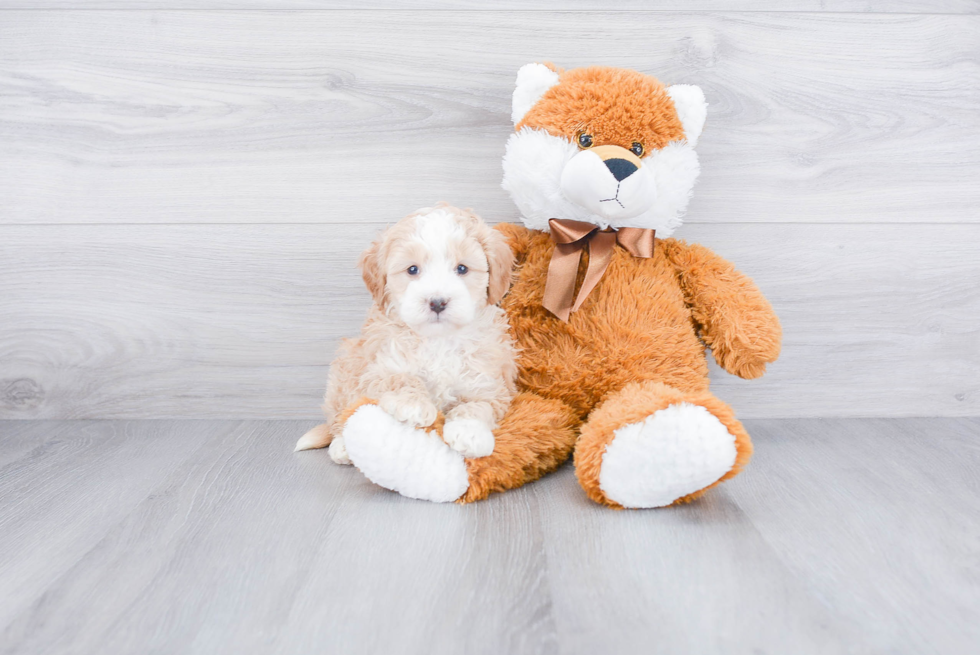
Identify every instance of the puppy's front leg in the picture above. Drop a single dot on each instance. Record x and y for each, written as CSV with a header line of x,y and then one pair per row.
x,y
411,405
469,429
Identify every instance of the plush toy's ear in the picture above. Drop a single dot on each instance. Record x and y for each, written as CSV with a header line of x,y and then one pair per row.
x,y
372,270
691,109
532,81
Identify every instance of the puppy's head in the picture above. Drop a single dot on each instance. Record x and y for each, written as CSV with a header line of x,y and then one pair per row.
x,y
437,268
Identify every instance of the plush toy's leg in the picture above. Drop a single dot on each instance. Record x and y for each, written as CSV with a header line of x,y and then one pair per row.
x,y
651,445
394,455
534,437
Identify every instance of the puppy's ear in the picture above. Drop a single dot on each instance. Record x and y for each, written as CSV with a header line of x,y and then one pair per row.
x,y
373,271
501,261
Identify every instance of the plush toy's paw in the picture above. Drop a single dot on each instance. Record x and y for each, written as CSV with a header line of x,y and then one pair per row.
x,y
749,363
338,451
397,456
468,436
674,452
410,407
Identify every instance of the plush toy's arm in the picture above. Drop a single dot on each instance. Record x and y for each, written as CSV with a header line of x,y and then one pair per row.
x,y
518,238
734,318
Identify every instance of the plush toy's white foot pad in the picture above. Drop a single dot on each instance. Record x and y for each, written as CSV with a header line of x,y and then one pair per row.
x,y
674,452
396,456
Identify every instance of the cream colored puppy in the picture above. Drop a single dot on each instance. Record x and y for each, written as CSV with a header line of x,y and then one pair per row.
x,y
434,339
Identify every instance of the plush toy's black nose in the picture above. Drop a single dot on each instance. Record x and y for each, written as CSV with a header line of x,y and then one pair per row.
x,y
438,304
620,168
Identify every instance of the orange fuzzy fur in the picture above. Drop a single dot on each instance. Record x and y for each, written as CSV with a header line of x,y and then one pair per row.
x,y
614,106
632,404
534,438
636,345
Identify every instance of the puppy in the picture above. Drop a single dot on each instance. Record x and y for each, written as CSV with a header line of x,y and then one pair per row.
x,y
434,341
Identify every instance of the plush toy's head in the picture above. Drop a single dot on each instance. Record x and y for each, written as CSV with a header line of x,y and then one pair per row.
x,y
607,146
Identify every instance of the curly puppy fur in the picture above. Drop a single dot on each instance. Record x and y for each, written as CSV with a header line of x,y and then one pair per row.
x,y
435,343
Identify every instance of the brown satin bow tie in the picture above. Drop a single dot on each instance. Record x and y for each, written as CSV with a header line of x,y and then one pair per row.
x,y
571,238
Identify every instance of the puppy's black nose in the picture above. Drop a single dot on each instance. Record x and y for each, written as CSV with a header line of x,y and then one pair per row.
x,y
438,304
620,168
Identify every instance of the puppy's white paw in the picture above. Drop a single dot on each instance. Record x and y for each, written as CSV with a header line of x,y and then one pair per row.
x,y
338,451
412,408
468,436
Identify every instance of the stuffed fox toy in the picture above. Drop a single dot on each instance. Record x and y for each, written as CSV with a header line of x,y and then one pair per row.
x,y
611,315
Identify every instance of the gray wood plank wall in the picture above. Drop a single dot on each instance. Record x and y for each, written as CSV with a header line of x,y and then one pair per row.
x,y
183,194
865,6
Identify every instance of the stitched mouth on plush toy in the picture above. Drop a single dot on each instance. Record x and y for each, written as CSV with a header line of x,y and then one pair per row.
x,y
616,197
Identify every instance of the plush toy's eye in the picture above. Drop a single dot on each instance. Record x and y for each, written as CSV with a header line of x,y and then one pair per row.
x,y
637,149
462,270
584,141
413,270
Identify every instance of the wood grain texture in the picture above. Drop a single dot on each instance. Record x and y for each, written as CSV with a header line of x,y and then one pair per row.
x,y
62,496
183,193
870,496
865,6
332,117
212,534
841,536
698,579
26,436
242,320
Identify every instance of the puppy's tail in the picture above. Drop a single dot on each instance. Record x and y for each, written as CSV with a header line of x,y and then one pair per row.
x,y
318,437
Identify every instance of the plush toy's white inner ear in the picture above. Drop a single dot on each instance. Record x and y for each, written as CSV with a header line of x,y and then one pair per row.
x,y
532,81
691,109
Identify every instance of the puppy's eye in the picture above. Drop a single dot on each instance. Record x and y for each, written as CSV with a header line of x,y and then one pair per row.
x,y
413,270
584,141
637,149
461,270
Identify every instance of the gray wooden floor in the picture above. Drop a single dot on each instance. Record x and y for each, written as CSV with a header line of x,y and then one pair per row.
x,y
857,535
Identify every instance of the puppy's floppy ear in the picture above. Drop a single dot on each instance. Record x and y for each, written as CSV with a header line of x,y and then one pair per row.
x,y
501,261
373,271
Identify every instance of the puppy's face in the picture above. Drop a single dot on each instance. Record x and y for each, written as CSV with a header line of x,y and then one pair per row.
x,y
437,268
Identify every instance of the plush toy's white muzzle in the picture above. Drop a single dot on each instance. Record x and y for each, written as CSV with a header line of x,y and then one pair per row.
x,y
609,181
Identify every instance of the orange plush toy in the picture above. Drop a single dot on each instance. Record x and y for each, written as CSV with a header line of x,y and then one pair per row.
x,y
611,315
